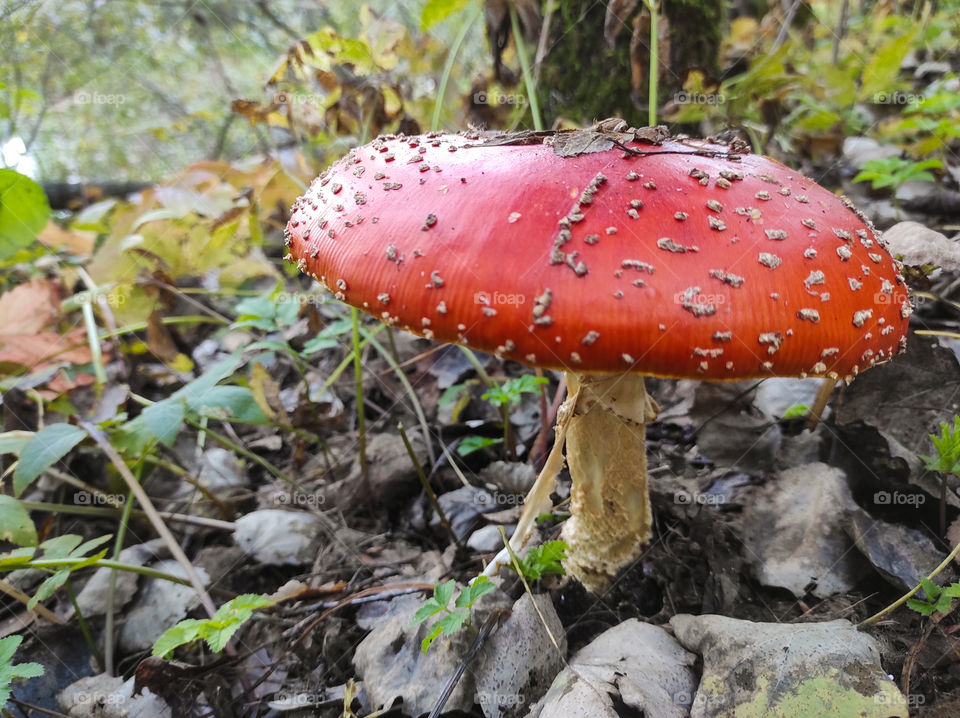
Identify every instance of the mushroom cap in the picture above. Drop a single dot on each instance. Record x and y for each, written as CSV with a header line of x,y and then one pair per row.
x,y
674,258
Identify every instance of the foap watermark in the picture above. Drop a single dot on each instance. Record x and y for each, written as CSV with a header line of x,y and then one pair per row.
x,y
497,98
85,498
899,498
895,698
98,297
492,299
897,97
695,497
699,98
499,499
300,498
698,298
88,97
290,99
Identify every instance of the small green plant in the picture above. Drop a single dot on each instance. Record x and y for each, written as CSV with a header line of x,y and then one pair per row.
x,y
938,600
947,445
10,670
510,392
895,171
456,618
545,558
216,631
796,411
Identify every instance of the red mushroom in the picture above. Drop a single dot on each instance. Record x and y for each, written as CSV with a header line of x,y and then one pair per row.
x,y
609,253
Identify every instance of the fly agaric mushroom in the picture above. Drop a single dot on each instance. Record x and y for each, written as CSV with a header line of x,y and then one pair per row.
x,y
609,253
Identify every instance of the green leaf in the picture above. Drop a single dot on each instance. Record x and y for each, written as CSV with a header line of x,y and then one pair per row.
x,y
12,442
468,596
545,558
429,608
217,630
9,670
229,402
47,446
15,523
921,607
453,621
435,11
24,211
434,632
17,557
469,444
49,587
796,411
165,419
444,592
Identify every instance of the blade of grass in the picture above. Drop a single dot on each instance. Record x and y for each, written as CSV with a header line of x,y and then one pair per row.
x,y
528,80
358,389
426,487
475,10
652,98
421,417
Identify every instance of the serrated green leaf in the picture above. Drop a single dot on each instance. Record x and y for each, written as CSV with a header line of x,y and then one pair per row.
x,y
469,595
430,637
16,525
453,621
429,608
444,592
24,211
44,449
9,670
921,607
184,632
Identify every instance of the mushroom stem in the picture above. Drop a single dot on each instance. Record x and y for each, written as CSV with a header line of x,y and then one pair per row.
x,y
606,452
603,425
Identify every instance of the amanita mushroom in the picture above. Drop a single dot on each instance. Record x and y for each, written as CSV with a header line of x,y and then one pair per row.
x,y
609,253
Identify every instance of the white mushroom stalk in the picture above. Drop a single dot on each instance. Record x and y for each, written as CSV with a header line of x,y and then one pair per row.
x,y
602,423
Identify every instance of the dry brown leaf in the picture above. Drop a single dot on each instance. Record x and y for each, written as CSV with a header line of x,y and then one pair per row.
x,y
158,338
73,240
29,308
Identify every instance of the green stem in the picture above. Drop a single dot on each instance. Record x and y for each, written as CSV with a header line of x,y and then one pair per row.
x,y
421,417
110,615
426,486
654,62
907,596
525,67
475,10
82,622
358,388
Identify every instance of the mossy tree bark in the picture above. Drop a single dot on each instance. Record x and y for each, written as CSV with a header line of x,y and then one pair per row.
x,y
584,79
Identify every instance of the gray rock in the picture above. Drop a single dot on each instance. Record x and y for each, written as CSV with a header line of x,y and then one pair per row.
x,y
392,665
159,606
104,696
919,245
642,663
794,532
278,537
92,600
860,150
776,669
520,660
